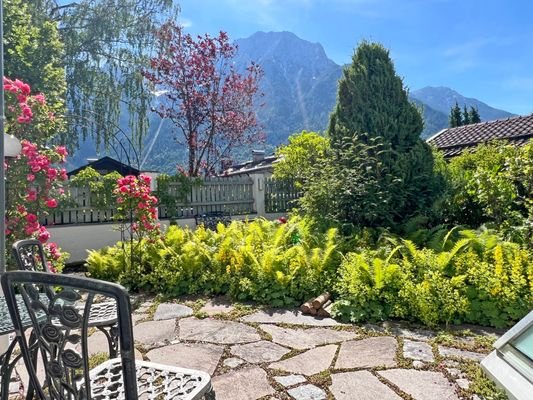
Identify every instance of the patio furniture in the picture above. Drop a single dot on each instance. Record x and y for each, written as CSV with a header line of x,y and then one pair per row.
x,y
6,328
62,338
30,256
211,219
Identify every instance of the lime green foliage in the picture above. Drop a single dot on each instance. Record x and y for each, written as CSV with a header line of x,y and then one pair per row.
x,y
471,277
269,262
493,185
369,287
100,186
300,159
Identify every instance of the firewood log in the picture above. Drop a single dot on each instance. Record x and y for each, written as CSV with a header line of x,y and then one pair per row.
x,y
305,307
325,310
317,303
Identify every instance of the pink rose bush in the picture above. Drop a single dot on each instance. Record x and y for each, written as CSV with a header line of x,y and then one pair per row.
x,y
33,178
136,202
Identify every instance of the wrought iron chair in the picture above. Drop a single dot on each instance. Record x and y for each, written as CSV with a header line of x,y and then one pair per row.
x,y
30,256
62,332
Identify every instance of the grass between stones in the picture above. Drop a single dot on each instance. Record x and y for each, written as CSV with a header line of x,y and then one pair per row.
x,y
97,358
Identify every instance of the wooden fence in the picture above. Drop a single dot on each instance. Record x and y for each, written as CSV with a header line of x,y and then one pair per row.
x,y
280,196
231,195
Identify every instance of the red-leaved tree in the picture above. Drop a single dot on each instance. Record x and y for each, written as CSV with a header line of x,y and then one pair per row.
x,y
205,97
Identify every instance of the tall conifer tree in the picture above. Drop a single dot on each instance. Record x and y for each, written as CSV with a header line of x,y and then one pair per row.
x,y
474,115
383,169
466,116
456,118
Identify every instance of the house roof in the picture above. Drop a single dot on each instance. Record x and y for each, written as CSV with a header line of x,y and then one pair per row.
x,y
252,166
106,165
453,141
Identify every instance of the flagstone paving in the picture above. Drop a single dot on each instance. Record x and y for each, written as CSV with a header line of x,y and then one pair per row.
x,y
368,353
302,339
285,355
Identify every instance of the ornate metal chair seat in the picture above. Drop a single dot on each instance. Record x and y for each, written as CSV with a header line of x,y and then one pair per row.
x,y
30,256
60,331
153,381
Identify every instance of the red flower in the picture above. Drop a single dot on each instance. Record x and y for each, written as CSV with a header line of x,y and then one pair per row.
x,y
51,203
31,218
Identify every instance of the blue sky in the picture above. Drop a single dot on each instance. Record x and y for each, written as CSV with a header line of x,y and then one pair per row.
x,y
482,49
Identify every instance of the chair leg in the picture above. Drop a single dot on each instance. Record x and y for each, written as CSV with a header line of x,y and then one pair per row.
x,y
112,339
6,369
34,349
210,395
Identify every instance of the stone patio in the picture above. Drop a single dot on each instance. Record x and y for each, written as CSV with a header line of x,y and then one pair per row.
x,y
283,354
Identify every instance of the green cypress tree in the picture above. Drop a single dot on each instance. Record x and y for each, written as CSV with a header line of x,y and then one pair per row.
x,y
456,118
466,116
474,115
383,168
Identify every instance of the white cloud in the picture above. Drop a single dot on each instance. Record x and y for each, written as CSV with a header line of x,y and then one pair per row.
x,y
185,22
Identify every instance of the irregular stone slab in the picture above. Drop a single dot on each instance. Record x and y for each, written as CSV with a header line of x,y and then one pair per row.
x,y
303,339
233,362
463,383
136,317
218,305
367,353
307,392
421,385
417,351
360,385
417,334
244,384
289,380
215,331
309,363
288,317
171,311
155,332
97,343
453,352
202,356
259,352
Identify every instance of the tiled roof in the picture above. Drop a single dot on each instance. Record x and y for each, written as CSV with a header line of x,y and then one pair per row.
x,y
265,164
453,141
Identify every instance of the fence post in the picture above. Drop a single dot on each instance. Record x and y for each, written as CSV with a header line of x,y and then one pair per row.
x,y
258,192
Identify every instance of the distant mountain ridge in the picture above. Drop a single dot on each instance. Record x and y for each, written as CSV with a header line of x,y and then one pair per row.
x,y
300,90
443,99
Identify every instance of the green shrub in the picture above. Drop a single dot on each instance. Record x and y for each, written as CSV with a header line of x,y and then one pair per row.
x,y
369,287
472,276
269,262
492,185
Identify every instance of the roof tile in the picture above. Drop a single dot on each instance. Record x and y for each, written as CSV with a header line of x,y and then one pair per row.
x,y
453,141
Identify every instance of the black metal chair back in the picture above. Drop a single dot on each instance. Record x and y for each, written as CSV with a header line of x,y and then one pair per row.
x,y
30,256
62,332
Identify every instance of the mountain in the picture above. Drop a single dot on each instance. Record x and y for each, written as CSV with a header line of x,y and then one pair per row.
x,y
434,120
443,99
299,82
300,89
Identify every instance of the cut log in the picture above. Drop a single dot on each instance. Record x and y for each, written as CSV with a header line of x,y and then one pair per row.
x,y
313,311
305,307
325,310
317,303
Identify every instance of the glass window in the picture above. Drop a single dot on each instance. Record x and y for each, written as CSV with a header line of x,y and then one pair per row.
x,y
524,343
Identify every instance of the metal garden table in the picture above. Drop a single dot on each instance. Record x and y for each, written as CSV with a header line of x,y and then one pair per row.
x,y
6,328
